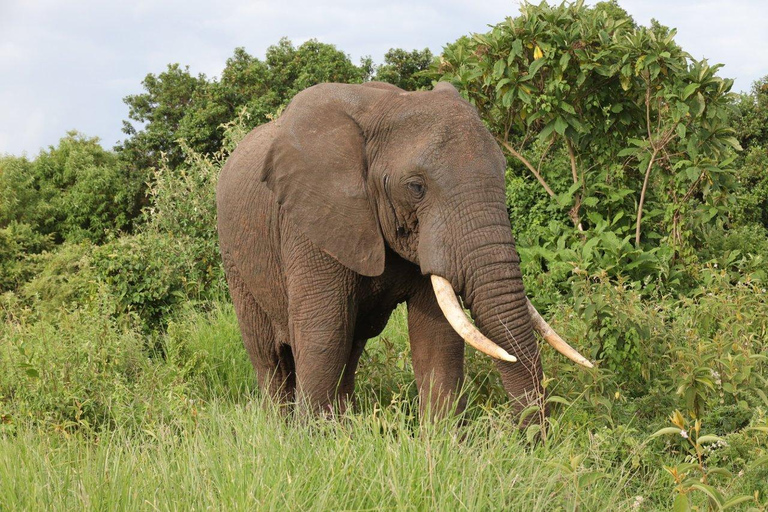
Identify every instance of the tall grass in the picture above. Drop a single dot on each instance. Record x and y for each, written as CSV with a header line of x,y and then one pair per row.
x,y
96,417
243,456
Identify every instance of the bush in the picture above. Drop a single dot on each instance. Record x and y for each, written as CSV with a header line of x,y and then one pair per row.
x,y
62,279
76,370
705,351
149,275
17,241
75,191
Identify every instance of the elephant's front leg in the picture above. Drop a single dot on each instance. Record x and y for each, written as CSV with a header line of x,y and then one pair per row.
x,y
438,354
321,313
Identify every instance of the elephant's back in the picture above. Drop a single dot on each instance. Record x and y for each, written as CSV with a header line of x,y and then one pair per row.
x,y
244,166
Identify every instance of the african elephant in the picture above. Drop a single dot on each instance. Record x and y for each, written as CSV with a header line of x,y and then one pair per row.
x,y
357,198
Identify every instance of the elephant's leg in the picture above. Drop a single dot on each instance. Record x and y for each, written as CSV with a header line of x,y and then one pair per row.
x,y
273,362
321,311
322,347
438,354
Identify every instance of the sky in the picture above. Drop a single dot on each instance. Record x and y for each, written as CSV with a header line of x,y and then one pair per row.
x,y
67,65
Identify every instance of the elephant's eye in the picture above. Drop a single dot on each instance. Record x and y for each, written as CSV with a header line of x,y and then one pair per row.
x,y
416,188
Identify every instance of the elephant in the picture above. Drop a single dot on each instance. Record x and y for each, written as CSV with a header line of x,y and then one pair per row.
x,y
358,198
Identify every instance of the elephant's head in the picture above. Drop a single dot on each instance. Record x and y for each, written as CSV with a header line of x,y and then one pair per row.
x,y
360,168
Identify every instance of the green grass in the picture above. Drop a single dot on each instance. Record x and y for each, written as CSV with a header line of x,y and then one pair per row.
x,y
94,417
238,456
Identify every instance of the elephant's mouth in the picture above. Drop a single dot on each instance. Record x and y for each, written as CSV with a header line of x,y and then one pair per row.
x,y
449,304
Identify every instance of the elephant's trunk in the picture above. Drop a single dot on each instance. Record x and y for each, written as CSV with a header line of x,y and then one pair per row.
x,y
483,266
495,295
480,263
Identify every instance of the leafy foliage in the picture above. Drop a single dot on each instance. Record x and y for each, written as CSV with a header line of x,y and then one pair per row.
x,y
159,110
74,191
630,133
17,242
406,69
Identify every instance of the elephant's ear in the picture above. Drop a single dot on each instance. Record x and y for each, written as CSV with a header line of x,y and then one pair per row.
x,y
317,168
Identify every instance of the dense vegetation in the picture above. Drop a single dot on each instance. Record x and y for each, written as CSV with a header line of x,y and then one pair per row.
x,y
638,193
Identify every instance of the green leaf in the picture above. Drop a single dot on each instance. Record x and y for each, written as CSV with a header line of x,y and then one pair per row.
x,y
665,431
532,432
709,491
708,439
689,90
760,461
566,107
627,152
721,472
625,82
681,503
534,67
547,131
737,500
701,104
560,125
558,400
589,478
498,68
515,49
501,83
733,142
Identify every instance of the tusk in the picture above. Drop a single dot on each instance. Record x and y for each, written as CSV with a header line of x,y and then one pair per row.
x,y
449,304
554,339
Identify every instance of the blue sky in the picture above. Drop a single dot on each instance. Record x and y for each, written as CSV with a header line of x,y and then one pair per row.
x,y
67,64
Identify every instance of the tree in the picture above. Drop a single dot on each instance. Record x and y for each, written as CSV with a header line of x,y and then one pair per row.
x,y
752,122
406,69
76,190
617,124
177,105
752,131
160,110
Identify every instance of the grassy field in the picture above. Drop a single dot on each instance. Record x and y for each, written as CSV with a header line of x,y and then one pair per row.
x,y
101,426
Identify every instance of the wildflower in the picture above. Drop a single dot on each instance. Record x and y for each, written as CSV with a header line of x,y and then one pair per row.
x,y
638,501
684,434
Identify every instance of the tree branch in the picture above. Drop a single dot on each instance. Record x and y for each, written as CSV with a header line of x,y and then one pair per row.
x,y
574,212
642,198
525,162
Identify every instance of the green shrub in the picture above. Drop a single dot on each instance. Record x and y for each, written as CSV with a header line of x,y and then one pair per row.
x,y
207,347
78,370
706,351
148,274
85,370
74,191
17,241
62,278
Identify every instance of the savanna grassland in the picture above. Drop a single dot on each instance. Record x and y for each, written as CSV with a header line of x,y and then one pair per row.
x,y
638,194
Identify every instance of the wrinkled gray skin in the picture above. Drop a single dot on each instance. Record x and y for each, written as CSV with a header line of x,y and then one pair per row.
x,y
334,213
